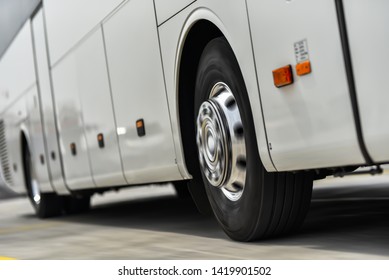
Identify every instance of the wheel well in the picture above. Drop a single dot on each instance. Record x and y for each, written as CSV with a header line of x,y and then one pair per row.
x,y
201,33
24,148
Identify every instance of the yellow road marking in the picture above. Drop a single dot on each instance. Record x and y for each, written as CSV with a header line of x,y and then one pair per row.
x,y
27,228
6,258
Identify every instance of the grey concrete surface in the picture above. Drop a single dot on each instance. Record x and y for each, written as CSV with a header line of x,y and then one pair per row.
x,y
348,219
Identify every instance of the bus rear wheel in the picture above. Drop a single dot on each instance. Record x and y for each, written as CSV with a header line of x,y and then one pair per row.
x,y
248,202
45,204
50,204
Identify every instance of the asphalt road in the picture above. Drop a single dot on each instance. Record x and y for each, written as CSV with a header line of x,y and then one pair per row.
x,y
348,219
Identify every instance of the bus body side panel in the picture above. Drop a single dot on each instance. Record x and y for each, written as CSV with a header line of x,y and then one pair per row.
x,y
17,72
92,85
367,28
231,18
167,8
310,123
97,112
53,158
68,21
17,78
82,93
36,141
73,144
138,91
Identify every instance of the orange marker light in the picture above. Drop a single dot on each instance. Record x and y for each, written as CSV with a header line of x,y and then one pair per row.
x,y
100,140
139,123
283,76
73,149
140,127
303,68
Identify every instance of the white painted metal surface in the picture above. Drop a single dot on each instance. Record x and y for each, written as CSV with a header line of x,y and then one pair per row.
x,y
168,8
139,93
70,20
17,72
52,154
97,112
310,123
367,28
231,19
36,142
67,89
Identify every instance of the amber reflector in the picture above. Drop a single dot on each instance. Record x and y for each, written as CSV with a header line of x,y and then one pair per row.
x,y
303,68
139,123
283,76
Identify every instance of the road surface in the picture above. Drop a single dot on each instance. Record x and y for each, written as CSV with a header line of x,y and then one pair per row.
x,y
348,219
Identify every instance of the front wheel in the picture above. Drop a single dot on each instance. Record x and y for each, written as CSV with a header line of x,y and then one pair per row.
x,y
248,202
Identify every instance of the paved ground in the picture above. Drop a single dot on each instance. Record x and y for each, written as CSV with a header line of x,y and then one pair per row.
x,y
348,219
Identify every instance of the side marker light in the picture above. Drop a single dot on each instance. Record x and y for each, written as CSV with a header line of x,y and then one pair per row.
x,y
283,76
140,127
73,149
100,140
303,68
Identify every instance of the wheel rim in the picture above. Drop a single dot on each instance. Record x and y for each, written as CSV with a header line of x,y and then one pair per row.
x,y
221,142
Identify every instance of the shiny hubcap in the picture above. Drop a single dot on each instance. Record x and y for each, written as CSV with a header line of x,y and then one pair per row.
x,y
221,143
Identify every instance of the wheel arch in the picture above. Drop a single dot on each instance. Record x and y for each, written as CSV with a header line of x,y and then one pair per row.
x,y
201,27
24,146
202,23
197,37
199,32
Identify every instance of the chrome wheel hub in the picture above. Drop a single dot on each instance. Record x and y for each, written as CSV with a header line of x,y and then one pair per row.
x,y
221,142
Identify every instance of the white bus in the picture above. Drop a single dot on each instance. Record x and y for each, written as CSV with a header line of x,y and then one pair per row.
x,y
243,102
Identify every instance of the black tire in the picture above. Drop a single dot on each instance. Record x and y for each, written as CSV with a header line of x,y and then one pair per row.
x,y
49,204
182,190
271,203
77,204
